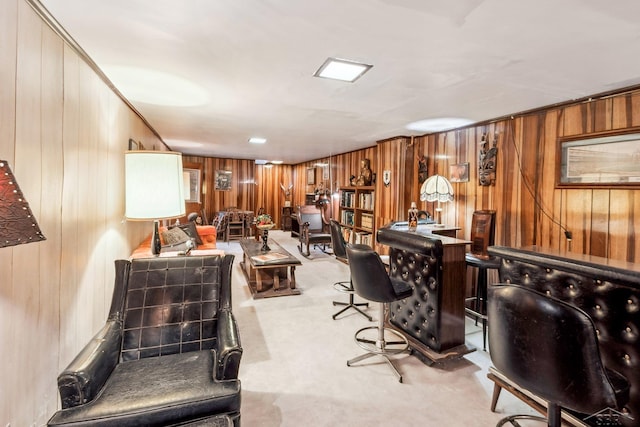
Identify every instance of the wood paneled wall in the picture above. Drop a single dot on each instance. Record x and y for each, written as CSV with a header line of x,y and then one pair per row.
x,y
242,194
64,133
530,209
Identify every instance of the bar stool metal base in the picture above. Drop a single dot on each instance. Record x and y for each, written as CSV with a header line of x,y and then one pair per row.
x,y
346,287
378,345
513,420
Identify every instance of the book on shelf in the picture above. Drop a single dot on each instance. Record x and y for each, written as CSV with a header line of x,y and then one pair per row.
x,y
347,218
366,221
366,201
363,238
347,199
346,234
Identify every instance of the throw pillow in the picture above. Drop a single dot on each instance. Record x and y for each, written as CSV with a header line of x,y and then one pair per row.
x,y
191,231
174,236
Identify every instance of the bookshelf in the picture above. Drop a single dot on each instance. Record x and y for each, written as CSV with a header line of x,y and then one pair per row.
x,y
356,214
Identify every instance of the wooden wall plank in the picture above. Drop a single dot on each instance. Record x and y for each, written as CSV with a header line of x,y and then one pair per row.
x,y
8,311
50,217
622,236
27,155
598,228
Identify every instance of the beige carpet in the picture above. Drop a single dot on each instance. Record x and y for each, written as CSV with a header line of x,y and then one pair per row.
x,y
294,370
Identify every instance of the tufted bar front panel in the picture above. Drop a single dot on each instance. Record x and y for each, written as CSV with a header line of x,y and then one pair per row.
x,y
607,290
419,315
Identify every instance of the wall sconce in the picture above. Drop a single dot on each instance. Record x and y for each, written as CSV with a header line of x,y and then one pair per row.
x,y
17,223
437,188
154,188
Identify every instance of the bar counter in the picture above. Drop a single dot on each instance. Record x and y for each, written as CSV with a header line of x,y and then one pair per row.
x,y
432,319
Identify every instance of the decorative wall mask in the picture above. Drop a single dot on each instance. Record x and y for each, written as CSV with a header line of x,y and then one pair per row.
x,y
487,159
422,169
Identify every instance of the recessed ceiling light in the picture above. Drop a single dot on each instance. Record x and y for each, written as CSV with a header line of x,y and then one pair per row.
x,y
257,140
342,69
438,124
276,162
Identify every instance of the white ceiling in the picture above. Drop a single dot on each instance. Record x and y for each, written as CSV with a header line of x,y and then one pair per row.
x,y
250,64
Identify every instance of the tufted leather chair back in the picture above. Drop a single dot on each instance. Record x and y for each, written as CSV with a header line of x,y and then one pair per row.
x,y
608,291
483,230
171,305
548,347
368,274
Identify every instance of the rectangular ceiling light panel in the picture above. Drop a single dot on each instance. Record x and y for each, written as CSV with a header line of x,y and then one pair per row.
x,y
342,69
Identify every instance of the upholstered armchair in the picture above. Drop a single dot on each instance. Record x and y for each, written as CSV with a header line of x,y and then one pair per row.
x,y
313,230
168,354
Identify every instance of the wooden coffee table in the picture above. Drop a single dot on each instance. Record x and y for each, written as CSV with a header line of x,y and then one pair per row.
x,y
269,273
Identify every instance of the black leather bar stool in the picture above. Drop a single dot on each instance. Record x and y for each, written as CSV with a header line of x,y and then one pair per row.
x,y
483,230
550,348
371,282
340,252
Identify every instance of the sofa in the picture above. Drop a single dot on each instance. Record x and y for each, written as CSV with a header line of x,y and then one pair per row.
x,y
205,237
168,353
313,230
607,290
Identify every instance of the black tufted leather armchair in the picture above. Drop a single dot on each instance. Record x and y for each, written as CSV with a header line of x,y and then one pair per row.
x,y
550,348
606,289
168,354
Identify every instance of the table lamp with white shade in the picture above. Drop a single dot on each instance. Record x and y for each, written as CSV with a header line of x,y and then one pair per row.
x,y
154,188
437,188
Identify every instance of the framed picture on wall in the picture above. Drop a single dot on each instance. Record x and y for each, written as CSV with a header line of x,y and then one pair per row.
x,y
133,145
459,172
325,173
600,160
311,176
191,180
223,180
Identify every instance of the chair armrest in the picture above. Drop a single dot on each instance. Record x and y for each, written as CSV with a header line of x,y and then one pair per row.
x,y
304,231
227,353
81,381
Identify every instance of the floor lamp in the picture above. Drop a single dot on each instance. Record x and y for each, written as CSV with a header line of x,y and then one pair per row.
x,y
437,188
154,188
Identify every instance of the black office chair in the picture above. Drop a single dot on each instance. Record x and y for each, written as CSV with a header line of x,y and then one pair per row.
x,y
371,282
550,348
340,252
483,230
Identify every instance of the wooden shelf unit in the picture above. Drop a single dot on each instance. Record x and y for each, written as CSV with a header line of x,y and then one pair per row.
x,y
356,214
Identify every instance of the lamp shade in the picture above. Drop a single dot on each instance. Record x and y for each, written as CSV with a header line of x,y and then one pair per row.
x,y
436,188
154,185
17,223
